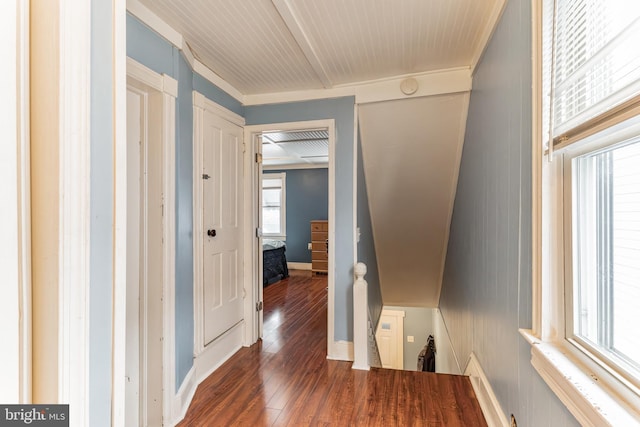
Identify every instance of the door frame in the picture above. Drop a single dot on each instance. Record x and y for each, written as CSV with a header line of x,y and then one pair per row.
x,y
146,80
252,250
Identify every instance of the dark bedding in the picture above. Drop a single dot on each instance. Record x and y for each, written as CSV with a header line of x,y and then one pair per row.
x,y
274,261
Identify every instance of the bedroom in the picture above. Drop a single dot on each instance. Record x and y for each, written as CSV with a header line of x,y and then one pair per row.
x,y
295,191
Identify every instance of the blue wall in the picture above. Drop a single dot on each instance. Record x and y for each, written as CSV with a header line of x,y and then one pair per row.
x,y
307,192
366,245
101,206
340,109
151,50
486,291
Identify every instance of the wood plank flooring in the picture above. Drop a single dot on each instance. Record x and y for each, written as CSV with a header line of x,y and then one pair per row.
x,y
286,379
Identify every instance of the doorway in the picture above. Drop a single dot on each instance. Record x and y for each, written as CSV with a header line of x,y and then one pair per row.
x,y
143,369
254,135
150,247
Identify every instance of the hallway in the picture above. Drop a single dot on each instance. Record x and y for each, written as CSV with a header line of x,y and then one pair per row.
x,y
286,379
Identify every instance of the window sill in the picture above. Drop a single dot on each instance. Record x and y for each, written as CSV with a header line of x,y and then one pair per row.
x,y
590,402
274,236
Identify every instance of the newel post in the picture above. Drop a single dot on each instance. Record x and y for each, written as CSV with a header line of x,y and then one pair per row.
x,y
360,319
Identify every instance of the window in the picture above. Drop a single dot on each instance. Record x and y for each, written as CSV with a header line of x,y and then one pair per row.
x,y
587,207
603,220
274,205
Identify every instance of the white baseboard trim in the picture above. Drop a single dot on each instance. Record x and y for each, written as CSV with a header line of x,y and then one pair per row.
x,y
491,408
219,351
211,358
182,399
341,350
299,265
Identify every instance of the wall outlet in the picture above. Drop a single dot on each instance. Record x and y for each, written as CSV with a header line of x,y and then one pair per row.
x,y
309,246
410,338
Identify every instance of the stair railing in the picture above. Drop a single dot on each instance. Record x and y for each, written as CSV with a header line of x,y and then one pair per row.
x,y
360,319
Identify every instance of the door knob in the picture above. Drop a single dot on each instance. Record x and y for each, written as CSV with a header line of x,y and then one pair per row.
x,y
211,233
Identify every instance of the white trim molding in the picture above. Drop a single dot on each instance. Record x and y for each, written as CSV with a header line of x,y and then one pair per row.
x,y
75,36
491,409
169,95
579,389
15,217
341,350
201,101
184,396
299,266
430,83
120,227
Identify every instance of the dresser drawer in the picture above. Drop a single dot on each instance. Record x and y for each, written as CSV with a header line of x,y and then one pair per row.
x,y
322,246
319,255
319,226
320,265
319,236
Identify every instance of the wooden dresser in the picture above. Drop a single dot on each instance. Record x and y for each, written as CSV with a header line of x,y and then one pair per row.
x,y
319,246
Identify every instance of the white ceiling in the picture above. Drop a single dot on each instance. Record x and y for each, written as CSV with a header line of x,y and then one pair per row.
x,y
300,148
270,46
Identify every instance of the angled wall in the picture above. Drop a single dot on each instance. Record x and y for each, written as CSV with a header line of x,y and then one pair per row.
x,y
411,152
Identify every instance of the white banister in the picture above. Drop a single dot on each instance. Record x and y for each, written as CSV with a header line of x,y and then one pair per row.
x,y
360,319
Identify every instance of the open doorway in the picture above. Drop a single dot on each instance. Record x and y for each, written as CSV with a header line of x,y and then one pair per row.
x,y
292,188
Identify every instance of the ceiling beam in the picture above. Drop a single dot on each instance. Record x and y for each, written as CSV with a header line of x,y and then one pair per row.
x,y
294,25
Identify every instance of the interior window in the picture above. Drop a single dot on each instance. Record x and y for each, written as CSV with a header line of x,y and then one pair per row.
x,y
274,205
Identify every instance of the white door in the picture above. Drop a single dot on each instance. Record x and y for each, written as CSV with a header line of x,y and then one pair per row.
x,y
389,337
222,225
132,364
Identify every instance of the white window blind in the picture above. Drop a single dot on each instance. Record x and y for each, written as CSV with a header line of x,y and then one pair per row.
x,y
595,63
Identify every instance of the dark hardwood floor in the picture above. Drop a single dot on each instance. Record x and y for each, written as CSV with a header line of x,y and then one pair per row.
x,y
286,379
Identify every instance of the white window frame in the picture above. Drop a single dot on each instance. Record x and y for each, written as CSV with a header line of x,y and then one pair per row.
x,y
282,176
591,391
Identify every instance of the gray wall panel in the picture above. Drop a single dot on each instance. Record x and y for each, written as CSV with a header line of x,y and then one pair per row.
x,y
486,293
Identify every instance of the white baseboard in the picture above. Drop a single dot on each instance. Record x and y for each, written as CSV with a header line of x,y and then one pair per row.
x,y
446,357
219,351
211,358
341,350
491,408
299,265
182,399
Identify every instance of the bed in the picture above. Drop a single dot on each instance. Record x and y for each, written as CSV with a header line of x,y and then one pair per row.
x,y
274,261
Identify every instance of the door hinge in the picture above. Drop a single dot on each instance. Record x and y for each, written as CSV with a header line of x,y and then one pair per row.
x,y
259,158
258,232
259,306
